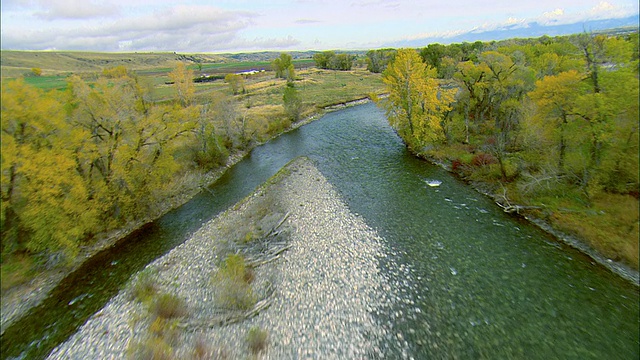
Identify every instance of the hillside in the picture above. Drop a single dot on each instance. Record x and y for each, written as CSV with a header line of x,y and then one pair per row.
x,y
16,63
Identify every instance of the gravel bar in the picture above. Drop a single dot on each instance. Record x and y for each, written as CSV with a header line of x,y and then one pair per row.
x,y
329,299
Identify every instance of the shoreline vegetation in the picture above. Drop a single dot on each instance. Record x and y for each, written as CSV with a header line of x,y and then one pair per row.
x,y
248,110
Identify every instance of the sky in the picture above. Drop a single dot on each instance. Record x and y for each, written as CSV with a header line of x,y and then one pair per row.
x,y
281,25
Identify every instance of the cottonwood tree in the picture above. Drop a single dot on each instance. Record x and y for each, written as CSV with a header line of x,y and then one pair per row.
x,y
236,83
377,60
292,102
182,78
46,206
556,97
416,105
283,66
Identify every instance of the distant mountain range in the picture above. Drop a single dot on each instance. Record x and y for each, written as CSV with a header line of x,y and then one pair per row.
x,y
527,30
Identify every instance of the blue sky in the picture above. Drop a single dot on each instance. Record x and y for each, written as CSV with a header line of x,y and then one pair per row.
x,y
244,25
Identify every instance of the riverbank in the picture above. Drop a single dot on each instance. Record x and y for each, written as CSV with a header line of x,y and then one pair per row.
x,y
17,301
582,245
326,287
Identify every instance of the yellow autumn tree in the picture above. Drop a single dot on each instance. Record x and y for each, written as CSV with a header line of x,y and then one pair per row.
x,y
416,104
45,203
182,79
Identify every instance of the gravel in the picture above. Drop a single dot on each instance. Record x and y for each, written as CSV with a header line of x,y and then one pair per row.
x,y
330,296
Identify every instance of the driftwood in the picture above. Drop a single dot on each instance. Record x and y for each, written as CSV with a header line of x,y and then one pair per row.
x,y
271,250
272,256
228,318
225,317
510,209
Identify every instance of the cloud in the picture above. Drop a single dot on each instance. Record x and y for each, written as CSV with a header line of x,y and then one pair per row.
x,y
73,9
178,28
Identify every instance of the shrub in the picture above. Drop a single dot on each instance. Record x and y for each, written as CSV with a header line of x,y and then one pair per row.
x,y
202,350
154,348
232,281
483,159
257,339
457,165
144,288
169,306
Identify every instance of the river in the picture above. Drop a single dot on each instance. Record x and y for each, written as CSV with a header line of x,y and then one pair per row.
x,y
480,283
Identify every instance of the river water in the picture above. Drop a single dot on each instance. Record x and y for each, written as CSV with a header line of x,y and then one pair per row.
x,y
477,283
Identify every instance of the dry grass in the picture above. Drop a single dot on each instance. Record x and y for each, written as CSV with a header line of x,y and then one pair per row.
x,y
233,284
15,270
257,340
169,306
610,226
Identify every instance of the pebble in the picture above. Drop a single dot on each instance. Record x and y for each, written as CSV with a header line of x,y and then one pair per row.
x,y
328,286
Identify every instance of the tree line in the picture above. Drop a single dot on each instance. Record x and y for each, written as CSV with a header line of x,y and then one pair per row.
x,y
103,153
560,109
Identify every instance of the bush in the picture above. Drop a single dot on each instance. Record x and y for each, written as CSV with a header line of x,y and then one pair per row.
x,y
144,288
232,281
257,339
169,306
483,159
154,348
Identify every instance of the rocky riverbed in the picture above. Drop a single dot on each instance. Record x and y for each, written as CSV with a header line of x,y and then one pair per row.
x,y
325,296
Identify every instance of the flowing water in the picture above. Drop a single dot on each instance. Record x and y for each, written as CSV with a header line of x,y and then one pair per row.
x,y
474,282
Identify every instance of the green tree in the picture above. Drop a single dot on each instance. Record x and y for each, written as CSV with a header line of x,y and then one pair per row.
x,y
432,55
323,59
508,82
292,102
377,60
283,66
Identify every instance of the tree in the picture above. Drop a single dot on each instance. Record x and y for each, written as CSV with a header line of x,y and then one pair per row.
x,y
283,66
377,60
183,82
208,149
416,106
46,207
508,82
342,62
236,83
556,99
432,55
292,102
473,101
329,60
36,71
322,59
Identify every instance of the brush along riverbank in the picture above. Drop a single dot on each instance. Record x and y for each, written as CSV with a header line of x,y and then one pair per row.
x,y
309,285
38,283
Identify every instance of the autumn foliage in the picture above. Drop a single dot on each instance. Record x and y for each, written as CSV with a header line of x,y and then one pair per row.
x,y
94,157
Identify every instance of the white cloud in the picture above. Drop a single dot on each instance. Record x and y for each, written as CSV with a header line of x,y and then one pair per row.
x,y
73,9
179,28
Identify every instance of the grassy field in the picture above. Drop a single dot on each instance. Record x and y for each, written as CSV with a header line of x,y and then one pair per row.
x,y
153,67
